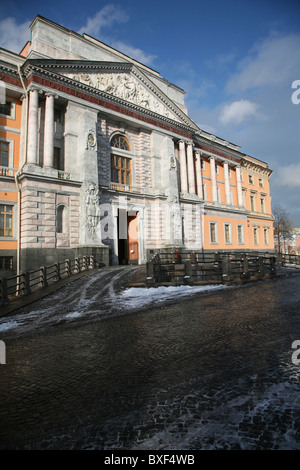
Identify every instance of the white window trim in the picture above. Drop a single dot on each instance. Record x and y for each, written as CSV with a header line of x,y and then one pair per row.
x,y
11,151
266,238
243,234
216,233
257,233
12,115
15,220
230,234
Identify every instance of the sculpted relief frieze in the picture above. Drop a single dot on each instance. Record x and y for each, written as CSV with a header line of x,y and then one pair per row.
x,y
126,87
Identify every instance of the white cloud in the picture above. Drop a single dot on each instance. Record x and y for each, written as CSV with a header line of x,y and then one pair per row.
x,y
106,17
14,36
238,111
288,175
271,62
133,52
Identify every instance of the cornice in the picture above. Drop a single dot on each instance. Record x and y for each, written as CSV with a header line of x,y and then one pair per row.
x,y
47,68
256,168
79,90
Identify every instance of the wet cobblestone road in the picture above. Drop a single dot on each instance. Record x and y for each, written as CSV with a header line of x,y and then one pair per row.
x,y
212,371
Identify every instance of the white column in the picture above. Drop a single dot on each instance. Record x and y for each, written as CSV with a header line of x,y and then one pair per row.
x,y
49,130
199,175
183,171
23,139
32,156
191,170
239,186
227,183
213,179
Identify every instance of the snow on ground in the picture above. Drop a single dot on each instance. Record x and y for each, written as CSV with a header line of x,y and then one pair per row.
x,y
50,311
136,297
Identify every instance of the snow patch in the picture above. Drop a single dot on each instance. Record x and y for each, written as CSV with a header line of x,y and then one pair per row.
x,y
141,296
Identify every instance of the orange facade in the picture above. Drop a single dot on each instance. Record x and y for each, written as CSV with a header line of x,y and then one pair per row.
x,y
229,228
10,129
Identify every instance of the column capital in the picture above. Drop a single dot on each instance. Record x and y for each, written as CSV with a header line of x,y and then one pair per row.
x,y
35,88
51,93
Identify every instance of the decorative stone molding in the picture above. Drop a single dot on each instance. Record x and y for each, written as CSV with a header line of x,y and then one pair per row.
x,y
173,164
91,140
126,87
92,207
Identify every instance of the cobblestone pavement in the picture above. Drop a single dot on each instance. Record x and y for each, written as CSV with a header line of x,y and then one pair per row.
x,y
210,371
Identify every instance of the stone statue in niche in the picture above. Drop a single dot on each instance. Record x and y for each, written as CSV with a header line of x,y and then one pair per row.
x,y
92,207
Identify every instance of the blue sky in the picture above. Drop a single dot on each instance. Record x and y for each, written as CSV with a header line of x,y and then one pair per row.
x,y
236,60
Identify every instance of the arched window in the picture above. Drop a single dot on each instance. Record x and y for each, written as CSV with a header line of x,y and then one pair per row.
x,y
120,142
61,219
120,165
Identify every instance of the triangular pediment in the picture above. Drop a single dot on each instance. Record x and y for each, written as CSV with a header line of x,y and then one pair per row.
x,y
122,80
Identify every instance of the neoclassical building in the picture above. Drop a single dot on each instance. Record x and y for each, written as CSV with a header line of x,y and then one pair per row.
x,y
99,156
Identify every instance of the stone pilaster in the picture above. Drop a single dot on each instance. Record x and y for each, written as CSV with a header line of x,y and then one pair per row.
x,y
239,186
32,154
191,171
199,175
227,183
49,131
183,169
213,177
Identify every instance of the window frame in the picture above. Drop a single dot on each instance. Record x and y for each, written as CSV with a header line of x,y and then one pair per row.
x,y
11,144
116,170
215,225
266,235
5,214
255,236
12,102
229,241
119,147
242,241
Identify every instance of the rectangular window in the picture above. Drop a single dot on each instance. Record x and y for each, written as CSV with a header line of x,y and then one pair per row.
x,y
213,232
252,202
262,205
6,221
266,236
227,231
261,183
4,153
251,179
255,235
121,170
5,108
6,263
240,229
204,191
